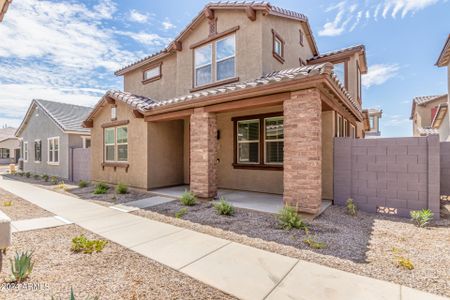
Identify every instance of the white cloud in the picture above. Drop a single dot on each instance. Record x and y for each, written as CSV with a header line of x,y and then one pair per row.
x,y
345,13
379,74
167,25
151,39
138,17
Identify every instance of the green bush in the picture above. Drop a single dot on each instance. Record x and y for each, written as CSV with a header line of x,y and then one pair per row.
x,y
45,177
311,242
101,188
121,188
21,174
83,184
179,214
28,174
288,219
188,199
421,217
21,266
82,244
36,176
53,180
352,209
224,208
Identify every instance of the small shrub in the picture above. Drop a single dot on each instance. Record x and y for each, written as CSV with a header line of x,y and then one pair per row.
x,y
188,199
45,177
405,263
421,217
352,209
121,188
179,214
311,242
101,188
53,180
21,174
21,266
288,218
82,244
72,296
27,174
62,186
83,184
224,208
8,203
36,176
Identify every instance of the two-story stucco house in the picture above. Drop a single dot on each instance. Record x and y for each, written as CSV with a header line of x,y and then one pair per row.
x,y
241,99
47,133
429,113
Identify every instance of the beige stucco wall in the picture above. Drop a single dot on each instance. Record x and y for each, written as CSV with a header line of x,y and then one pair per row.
x,y
268,181
165,153
328,130
289,32
137,149
186,152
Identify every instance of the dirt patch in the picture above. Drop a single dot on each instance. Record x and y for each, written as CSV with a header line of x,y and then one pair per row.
x,y
367,244
18,209
115,273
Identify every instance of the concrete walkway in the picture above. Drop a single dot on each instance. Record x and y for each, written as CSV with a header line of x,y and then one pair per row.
x,y
239,270
38,223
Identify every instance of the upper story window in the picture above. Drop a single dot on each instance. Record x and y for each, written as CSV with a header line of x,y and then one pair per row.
x,y
114,113
278,46
151,74
215,61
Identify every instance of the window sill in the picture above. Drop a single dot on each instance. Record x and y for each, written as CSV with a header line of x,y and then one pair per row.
x,y
258,167
214,84
277,57
155,78
116,165
53,163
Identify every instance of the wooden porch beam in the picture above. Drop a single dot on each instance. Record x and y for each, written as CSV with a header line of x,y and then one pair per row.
x,y
177,45
110,100
251,13
176,115
209,13
270,100
137,114
88,124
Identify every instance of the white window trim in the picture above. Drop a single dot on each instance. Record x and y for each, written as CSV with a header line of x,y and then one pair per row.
x,y
248,142
120,144
113,144
37,161
53,163
25,157
275,40
352,131
84,138
214,61
266,141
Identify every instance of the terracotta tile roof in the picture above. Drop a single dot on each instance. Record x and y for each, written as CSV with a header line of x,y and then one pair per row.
x,y
140,103
427,130
334,52
257,5
444,57
422,100
284,75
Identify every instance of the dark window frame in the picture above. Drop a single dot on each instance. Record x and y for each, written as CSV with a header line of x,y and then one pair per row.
x,y
276,36
5,153
154,78
261,165
37,156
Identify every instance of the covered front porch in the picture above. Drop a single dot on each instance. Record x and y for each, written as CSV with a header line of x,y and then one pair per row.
x,y
263,202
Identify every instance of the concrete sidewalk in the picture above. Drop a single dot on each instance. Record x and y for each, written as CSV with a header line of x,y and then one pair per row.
x,y
239,270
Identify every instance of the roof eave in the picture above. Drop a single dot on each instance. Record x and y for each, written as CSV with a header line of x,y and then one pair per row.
x,y
444,57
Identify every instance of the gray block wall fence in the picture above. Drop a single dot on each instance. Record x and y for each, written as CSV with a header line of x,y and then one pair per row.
x,y
80,164
445,168
388,175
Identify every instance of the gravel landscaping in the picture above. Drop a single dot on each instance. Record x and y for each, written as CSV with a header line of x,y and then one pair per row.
x,y
18,209
367,244
115,273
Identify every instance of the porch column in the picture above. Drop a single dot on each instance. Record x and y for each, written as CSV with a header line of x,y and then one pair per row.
x,y
302,174
203,149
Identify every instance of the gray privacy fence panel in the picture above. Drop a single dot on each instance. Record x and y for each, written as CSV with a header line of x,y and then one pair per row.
x,y
445,168
81,164
389,175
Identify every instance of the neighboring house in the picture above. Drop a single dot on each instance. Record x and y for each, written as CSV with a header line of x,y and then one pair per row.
x,y
9,146
374,116
430,113
241,99
47,133
4,4
429,116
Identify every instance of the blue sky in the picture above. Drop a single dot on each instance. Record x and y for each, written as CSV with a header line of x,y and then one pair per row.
x,y
68,50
